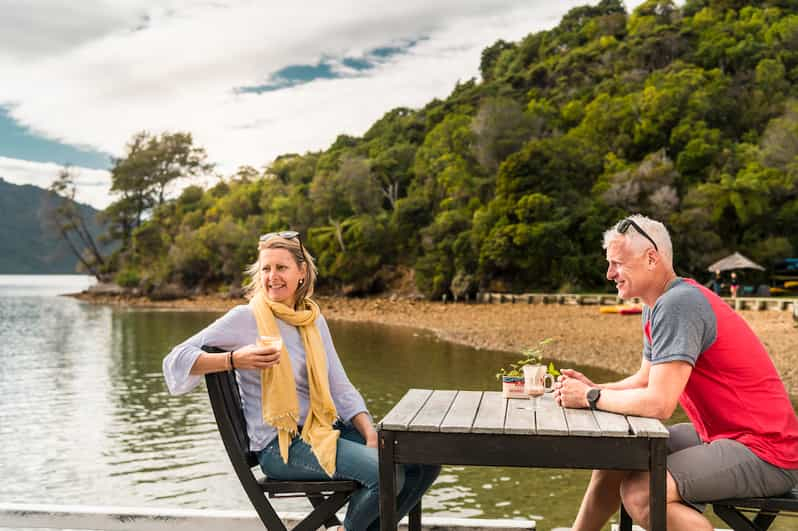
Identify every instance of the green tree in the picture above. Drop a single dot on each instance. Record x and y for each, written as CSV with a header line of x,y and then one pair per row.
x,y
151,164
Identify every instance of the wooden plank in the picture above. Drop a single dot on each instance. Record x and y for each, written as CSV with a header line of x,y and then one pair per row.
x,y
399,417
520,417
647,427
582,422
490,416
549,417
612,424
433,412
462,413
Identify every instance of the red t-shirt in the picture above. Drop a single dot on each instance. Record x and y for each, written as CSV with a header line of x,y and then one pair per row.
x,y
734,391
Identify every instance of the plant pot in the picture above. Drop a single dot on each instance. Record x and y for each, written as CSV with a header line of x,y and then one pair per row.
x,y
513,387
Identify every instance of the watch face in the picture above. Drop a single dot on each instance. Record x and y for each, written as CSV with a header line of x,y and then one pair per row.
x,y
593,395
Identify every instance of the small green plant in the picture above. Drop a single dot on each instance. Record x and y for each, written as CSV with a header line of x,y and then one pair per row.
x,y
531,356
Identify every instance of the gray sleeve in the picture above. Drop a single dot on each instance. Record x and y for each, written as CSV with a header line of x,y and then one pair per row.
x,y
682,327
347,399
233,330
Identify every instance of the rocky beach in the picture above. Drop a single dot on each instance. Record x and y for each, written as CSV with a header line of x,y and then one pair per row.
x,y
581,334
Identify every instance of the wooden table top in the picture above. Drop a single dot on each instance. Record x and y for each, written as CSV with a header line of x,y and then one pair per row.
x,y
488,412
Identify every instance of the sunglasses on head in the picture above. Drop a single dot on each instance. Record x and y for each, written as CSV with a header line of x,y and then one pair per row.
x,y
284,234
623,227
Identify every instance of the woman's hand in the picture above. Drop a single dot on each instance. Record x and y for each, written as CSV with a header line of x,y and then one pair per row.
x,y
362,423
256,357
371,440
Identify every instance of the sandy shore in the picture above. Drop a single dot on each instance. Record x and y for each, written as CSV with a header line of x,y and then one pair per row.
x,y
582,335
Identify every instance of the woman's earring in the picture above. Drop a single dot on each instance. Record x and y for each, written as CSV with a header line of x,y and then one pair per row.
x,y
301,281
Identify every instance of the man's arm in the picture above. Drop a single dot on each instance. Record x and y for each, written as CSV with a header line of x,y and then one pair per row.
x,y
635,381
638,379
657,399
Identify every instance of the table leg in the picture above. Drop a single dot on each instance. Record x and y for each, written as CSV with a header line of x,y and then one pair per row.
x,y
387,481
414,518
657,484
625,523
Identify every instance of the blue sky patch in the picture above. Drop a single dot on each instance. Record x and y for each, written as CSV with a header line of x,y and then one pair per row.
x,y
327,68
17,142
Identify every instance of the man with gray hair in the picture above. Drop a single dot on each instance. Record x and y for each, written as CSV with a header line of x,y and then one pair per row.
x,y
742,438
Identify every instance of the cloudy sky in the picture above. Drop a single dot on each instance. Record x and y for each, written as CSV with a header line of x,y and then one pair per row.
x,y
250,79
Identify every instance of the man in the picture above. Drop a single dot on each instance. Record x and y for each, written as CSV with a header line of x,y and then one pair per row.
x,y
743,436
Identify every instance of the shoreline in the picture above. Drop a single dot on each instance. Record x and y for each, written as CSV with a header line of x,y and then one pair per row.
x,y
581,334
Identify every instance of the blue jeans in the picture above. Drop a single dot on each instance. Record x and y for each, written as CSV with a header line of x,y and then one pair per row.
x,y
354,461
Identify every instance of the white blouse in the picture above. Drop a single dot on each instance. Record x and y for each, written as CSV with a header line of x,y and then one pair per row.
x,y
238,328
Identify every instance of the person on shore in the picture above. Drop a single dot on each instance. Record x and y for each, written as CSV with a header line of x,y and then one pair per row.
x,y
734,285
305,420
717,282
742,438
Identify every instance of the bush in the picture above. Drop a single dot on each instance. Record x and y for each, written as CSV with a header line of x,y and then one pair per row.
x,y
127,278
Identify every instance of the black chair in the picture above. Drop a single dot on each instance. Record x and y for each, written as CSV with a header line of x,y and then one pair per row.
x,y
765,511
731,511
326,496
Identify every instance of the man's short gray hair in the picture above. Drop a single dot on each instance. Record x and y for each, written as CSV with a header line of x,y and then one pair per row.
x,y
655,229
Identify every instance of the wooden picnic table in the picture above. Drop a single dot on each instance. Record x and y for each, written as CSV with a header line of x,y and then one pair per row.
x,y
484,429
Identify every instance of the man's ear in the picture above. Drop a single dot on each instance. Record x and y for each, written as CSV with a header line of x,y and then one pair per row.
x,y
652,259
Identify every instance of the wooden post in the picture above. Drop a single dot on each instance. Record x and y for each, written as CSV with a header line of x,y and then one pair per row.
x,y
657,485
387,478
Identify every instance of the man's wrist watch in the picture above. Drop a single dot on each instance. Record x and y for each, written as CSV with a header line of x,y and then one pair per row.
x,y
593,395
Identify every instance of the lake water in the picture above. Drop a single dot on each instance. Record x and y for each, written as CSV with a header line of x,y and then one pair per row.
x,y
85,417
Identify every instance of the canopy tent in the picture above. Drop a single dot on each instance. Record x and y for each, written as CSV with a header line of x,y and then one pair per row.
x,y
734,261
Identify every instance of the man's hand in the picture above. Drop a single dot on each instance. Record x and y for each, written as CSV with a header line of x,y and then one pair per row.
x,y
256,357
576,375
571,392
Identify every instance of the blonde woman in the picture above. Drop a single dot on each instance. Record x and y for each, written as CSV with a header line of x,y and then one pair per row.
x,y
305,420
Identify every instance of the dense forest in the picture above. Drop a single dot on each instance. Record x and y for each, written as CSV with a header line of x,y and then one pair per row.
x,y
688,114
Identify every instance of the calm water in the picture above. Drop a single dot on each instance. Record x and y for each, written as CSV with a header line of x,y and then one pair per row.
x,y
85,414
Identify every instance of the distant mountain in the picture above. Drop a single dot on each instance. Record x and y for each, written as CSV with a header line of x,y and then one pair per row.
x,y
28,244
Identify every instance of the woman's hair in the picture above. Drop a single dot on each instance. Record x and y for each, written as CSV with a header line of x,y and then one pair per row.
x,y
655,229
300,255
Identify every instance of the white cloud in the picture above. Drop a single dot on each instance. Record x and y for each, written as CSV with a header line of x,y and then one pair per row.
x,y
92,185
179,72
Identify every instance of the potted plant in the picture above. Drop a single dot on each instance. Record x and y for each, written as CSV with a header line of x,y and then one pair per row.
x,y
512,378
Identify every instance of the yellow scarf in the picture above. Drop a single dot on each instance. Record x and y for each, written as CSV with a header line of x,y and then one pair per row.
x,y
278,388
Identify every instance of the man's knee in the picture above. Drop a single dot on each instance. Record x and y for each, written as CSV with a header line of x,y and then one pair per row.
x,y
635,496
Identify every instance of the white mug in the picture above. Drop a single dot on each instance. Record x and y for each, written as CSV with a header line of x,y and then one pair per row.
x,y
535,380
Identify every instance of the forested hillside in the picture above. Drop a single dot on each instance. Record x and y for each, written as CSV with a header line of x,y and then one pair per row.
x,y
688,114
29,240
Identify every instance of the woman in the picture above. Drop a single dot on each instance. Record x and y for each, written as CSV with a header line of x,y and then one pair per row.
x,y
294,391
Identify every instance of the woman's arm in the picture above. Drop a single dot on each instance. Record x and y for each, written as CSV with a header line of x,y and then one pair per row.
x,y
347,399
362,423
247,357
234,329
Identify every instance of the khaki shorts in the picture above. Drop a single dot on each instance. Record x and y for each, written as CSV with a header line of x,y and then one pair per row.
x,y
721,469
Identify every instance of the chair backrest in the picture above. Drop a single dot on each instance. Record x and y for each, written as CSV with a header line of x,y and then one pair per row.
x,y
226,403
